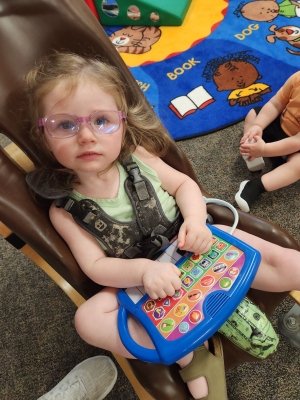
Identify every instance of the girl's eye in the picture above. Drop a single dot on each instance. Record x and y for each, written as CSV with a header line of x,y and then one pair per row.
x,y
66,125
101,121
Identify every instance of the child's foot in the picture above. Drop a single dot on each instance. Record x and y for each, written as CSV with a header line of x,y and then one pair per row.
x,y
205,374
92,379
248,192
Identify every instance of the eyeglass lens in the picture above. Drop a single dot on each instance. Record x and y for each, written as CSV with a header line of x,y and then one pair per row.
x,y
66,125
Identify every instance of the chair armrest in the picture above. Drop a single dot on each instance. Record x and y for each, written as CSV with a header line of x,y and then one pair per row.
x,y
20,213
255,225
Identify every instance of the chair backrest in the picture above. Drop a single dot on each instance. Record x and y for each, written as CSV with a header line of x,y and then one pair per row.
x,y
29,30
32,29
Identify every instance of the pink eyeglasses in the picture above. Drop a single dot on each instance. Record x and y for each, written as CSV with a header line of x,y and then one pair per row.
x,y
62,126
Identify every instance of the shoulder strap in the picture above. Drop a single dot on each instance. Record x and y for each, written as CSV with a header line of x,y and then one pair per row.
x,y
149,213
116,236
136,178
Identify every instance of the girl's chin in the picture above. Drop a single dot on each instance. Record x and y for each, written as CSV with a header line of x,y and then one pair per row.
x,y
96,168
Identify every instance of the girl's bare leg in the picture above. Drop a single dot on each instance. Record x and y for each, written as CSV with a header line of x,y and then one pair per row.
x,y
279,270
96,323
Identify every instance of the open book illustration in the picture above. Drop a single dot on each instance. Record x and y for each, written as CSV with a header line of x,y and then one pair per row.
x,y
185,105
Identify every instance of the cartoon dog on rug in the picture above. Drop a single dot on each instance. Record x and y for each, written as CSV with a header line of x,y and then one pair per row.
x,y
289,34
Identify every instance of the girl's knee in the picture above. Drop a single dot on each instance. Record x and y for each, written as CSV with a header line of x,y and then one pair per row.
x,y
86,316
92,314
81,320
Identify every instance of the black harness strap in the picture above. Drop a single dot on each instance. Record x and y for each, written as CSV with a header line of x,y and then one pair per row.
x,y
136,178
143,237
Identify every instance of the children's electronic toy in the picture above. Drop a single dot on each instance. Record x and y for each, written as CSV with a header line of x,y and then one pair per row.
x,y
213,284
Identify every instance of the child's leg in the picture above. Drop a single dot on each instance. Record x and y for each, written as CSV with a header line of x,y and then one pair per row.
x,y
284,175
96,323
279,270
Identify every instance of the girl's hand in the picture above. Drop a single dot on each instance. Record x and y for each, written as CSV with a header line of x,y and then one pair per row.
x,y
161,279
255,130
253,150
194,236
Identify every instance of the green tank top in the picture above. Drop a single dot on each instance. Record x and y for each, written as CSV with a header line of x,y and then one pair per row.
x,y
120,208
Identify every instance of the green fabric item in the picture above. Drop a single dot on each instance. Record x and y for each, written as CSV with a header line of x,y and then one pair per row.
x,y
249,328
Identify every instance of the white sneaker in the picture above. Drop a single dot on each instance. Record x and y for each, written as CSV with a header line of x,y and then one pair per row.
x,y
242,203
92,379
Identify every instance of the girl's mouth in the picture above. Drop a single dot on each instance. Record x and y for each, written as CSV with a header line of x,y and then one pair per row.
x,y
89,155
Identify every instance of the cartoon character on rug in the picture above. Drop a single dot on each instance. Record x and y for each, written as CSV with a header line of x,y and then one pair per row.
x,y
289,34
236,73
135,39
268,10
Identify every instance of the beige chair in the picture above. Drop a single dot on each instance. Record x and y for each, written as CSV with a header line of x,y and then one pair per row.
x,y
28,30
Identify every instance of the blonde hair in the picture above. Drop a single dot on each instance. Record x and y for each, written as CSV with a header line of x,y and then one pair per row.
x,y
142,126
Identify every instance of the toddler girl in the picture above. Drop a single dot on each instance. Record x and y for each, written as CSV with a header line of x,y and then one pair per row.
x,y
93,136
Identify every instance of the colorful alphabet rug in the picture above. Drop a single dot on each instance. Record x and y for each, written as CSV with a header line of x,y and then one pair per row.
x,y
225,58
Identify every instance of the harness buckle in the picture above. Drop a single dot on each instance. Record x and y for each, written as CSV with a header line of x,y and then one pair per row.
x,y
68,204
89,217
134,174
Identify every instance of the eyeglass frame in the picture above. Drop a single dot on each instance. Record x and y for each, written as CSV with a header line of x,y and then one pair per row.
x,y
43,122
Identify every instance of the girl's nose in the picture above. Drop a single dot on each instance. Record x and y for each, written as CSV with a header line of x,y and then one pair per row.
x,y
85,134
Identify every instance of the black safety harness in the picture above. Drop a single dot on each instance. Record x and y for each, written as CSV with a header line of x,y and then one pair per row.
x,y
143,237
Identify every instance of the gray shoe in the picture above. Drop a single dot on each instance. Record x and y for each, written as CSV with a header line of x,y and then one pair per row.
x,y
289,326
92,379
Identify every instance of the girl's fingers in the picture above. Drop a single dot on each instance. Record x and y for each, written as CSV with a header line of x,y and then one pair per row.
x,y
177,271
181,237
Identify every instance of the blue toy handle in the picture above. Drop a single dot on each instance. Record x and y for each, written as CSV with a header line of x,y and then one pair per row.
x,y
140,352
